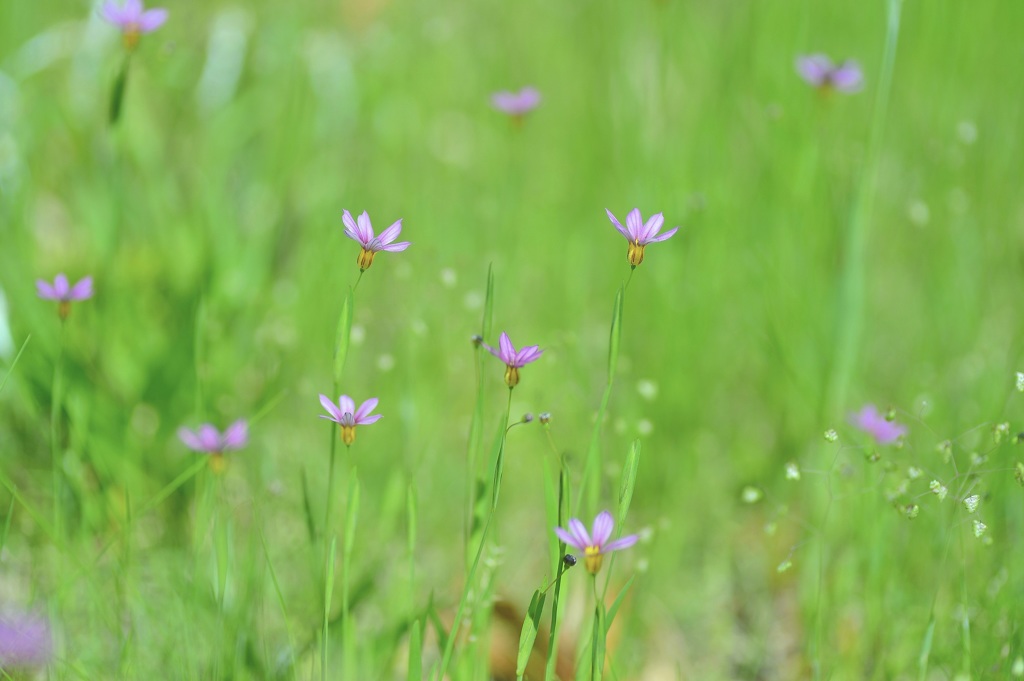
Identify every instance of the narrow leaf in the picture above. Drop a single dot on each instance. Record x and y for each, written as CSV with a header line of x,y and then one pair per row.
x,y
117,94
351,514
435,620
307,508
415,653
628,480
612,611
529,633
489,302
615,335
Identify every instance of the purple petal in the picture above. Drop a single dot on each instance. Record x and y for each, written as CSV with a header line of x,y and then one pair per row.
x,y
351,229
365,408
82,290
603,526
652,226
46,290
60,286
569,539
370,419
527,355
329,405
622,230
111,11
508,351
872,422
579,532
395,248
814,68
494,352
25,641
346,405
236,436
634,224
190,438
621,543
504,101
391,233
848,77
209,437
132,10
529,98
365,228
152,20
662,237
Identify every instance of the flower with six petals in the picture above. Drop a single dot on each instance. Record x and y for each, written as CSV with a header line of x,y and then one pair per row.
x,y
362,231
345,414
639,233
61,291
133,19
208,440
514,360
595,544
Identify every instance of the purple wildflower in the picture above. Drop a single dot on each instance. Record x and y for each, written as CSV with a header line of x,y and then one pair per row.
x,y
819,71
133,19
516,104
345,414
61,291
513,360
595,544
25,641
362,231
874,423
639,233
208,440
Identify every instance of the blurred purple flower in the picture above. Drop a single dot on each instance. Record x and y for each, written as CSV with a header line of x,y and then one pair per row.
x,y
208,440
516,104
874,423
595,544
639,233
133,19
513,360
25,641
819,71
362,231
61,291
345,414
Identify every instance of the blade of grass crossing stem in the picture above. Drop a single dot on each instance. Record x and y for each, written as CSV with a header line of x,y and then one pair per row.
x,y
597,644
435,621
347,637
117,93
563,515
342,338
529,633
592,466
473,486
628,481
415,672
14,362
307,508
612,611
926,650
328,596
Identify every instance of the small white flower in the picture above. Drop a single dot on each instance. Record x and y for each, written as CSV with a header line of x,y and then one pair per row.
x,y
1020,381
751,494
792,471
914,472
979,528
938,489
971,503
831,435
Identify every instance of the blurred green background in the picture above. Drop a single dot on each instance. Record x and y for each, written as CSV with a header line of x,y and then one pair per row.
x,y
210,218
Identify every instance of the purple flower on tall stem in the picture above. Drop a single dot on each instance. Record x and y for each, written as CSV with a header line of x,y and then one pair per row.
x,y
595,544
25,641
208,440
819,71
362,231
133,19
514,360
639,233
874,423
516,104
345,414
61,291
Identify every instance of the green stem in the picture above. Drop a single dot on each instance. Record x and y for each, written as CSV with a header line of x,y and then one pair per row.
x,y
55,448
563,494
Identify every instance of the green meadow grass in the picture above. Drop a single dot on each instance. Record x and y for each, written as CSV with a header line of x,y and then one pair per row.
x,y
834,250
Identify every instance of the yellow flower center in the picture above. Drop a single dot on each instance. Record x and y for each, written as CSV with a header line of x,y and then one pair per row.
x,y
218,464
636,252
511,376
348,434
365,258
592,559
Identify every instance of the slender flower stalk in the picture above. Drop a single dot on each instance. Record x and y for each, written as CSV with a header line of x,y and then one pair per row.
x,y
514,359
361,231
639,233
345,414
133,19
819,70
64,293
595,544
208,440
